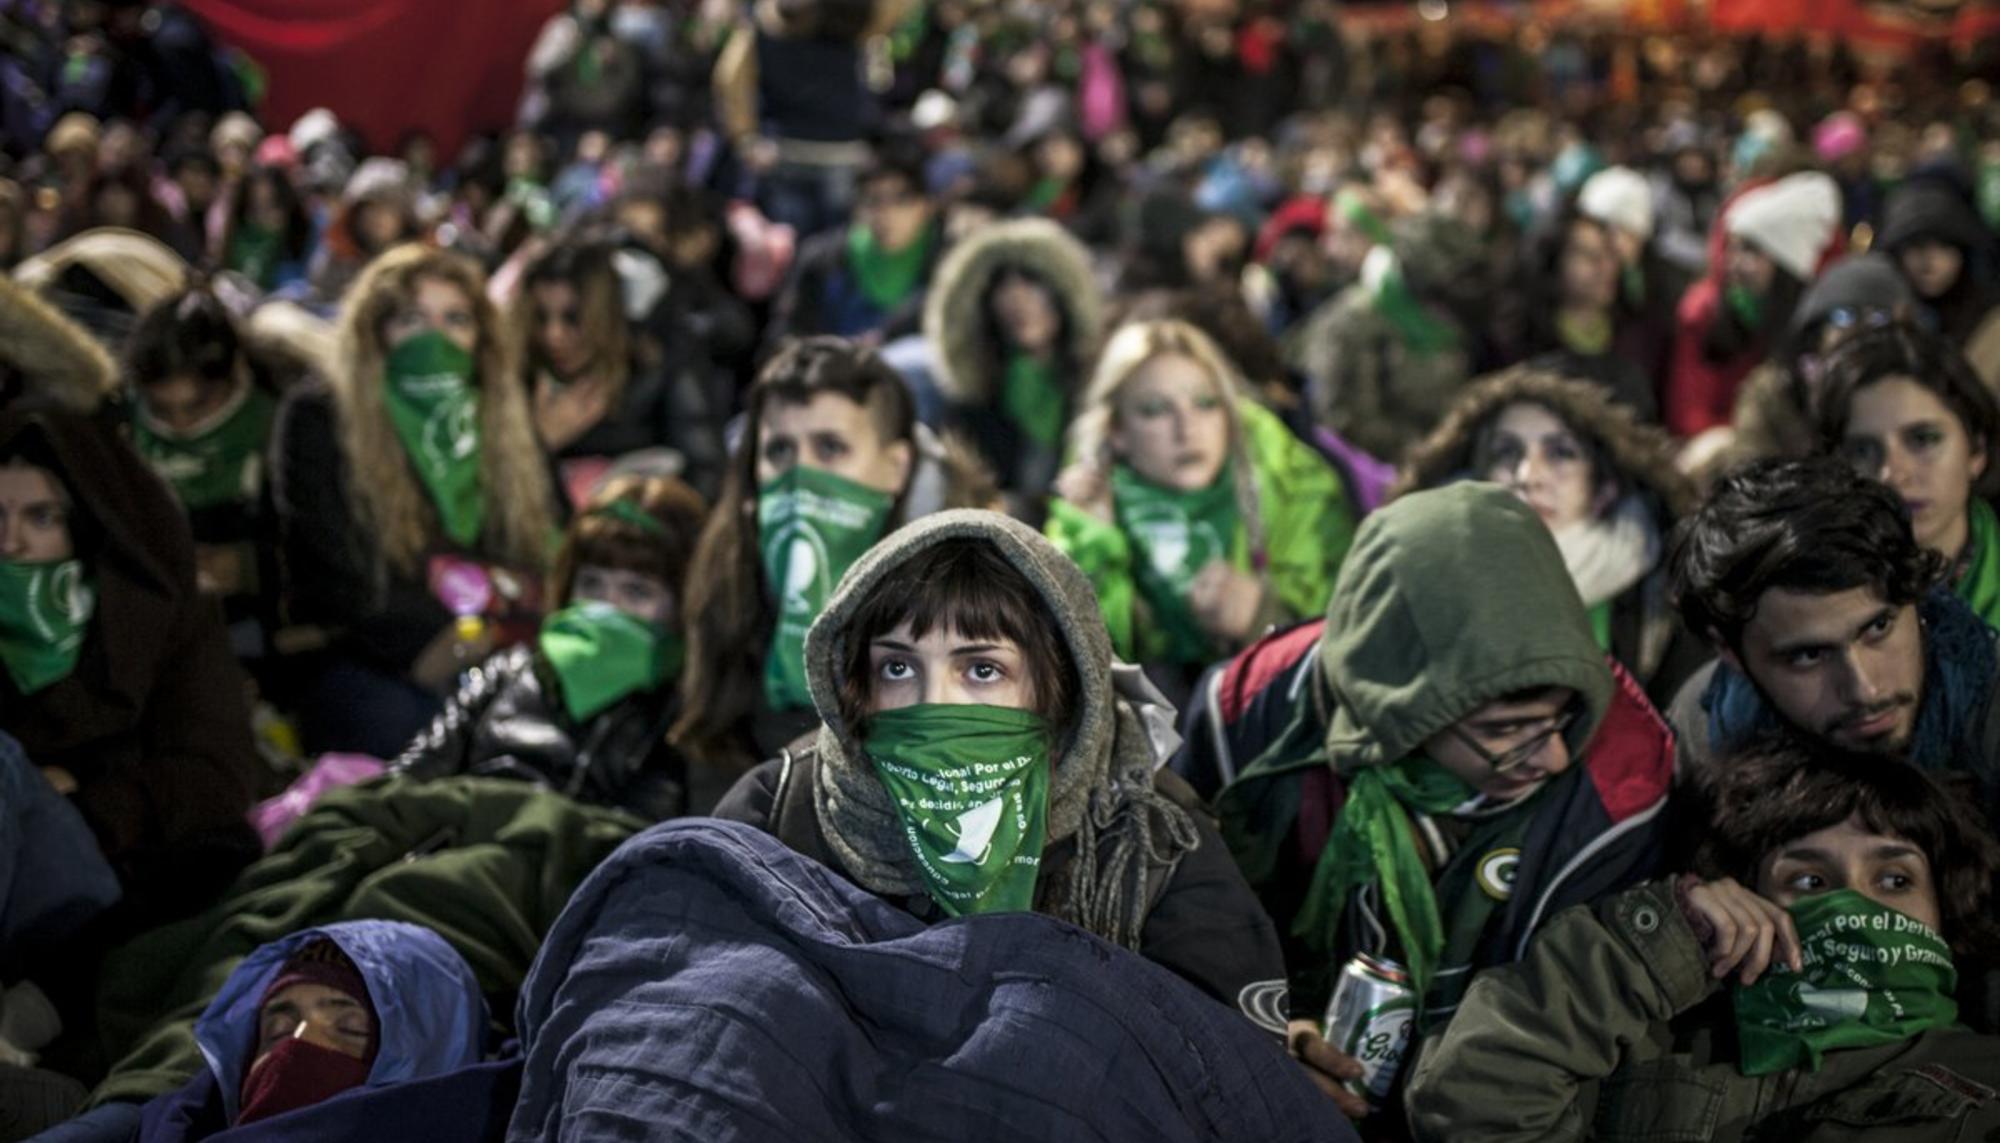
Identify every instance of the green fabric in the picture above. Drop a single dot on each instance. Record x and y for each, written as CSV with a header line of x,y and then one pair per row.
x,y
1746,304
254,252
1374,840
435,408
627,512
1979,584
1174,535
1308,519
215,463
1600,624
811,527
1104,553
600,655
1872,975
1046,192
971,785
1473,885
1353,210
1032,396
45,611
1420,330
1632,283
486,862
886,277
1587,334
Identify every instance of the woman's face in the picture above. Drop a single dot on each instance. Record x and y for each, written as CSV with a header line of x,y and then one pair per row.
x,y
263,206
944,667
1589,268
646,598
1885,869
1026,313
558,318
436,305
1932,267
322,1016
34,515
1749,267
1540,460
1169,423
1902,434
182,402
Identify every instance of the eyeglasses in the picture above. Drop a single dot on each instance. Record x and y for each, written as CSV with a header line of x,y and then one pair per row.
x,y
1514,757
1847,317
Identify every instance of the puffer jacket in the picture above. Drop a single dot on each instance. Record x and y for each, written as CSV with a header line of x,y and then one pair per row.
x,y
1612,1029
507,721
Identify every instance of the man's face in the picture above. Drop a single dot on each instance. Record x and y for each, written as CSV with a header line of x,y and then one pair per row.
x,y
183,402
1845,666
1932,267
893,211
833,434
1523,735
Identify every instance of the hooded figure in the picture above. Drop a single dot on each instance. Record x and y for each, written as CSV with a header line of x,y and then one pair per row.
x,y
1128,854
1453,602
1616,554
141,708
1013,399
1927,220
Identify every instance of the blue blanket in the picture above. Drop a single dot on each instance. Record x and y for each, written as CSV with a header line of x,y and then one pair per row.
x,y
707,983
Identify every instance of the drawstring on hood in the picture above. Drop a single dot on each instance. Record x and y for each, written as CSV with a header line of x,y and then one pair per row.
x,y
1128,838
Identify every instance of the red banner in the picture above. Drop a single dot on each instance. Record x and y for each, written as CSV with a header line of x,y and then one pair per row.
x,y
1886,22
385,67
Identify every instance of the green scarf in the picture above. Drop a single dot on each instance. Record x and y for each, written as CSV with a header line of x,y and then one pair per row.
x,y
1032,396
886,277
435,408
1600,624
1979,584
45,609
254,252
1353,210
1416,326
600,655
1174,535
971,785
1587,334
1374,840
811,527
1872,976
1747,305
216,462
1047,191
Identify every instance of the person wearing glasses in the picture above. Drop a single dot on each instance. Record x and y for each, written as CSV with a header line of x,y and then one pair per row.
x,y
1904,406
867,280
1444,762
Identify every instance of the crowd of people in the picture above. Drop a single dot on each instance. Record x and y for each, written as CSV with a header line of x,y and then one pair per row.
x,y
945,569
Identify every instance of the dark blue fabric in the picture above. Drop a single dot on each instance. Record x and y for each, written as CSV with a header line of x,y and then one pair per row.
x,y
707,983
53,877
1959,665
470,1105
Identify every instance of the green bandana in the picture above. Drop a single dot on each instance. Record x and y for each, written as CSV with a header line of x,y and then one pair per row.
x,y
44,610
971,785
217,462
435,409
1175,535
886,277
1746,305
1353,210
627,512
1032,397
1600,624
1374,840
1585,334
1046,192
1872,976
811,527
600,655
1416,326
1979,584
254,252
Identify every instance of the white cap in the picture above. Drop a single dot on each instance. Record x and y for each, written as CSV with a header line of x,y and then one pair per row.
x,y
1619,197
1792,220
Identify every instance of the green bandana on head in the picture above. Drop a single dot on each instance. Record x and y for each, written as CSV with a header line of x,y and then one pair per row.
x,y
217,462
1174,536
435,408
1979,583
1872,976
886,277
1032,396
600,655
971,785
811,527
45,609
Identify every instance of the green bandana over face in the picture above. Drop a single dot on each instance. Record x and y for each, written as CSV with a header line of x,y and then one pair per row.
x,y
1979,584
435,408
45,608
886,277
600,655
1872,976
1174,535
1032,397
1748,307
1374,840
811,527
217,462
971,785
254,251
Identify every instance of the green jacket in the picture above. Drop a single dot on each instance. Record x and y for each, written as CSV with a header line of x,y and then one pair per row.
x,y
1612,1029
1307,526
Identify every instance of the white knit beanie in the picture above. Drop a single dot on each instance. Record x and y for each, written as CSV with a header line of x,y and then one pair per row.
x,y
1620,197
1792,220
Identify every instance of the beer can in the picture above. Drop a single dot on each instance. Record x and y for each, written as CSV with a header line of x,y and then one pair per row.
x,y
1372,1017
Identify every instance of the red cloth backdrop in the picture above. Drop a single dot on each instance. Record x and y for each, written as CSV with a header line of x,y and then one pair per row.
x,y
450,67
1884,22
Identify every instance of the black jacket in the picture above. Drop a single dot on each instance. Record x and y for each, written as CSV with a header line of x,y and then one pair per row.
x,y
507,721
663,405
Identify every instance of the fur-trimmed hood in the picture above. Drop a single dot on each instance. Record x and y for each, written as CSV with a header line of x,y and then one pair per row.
x,y
1642,454
954,319
46,359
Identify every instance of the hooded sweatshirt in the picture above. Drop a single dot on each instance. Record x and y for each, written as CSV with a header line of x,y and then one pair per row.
x,y
1450,599
1932,210
1129,857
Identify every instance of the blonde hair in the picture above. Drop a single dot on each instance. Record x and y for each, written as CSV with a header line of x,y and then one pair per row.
x,y
389,501
1131,347
587,268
